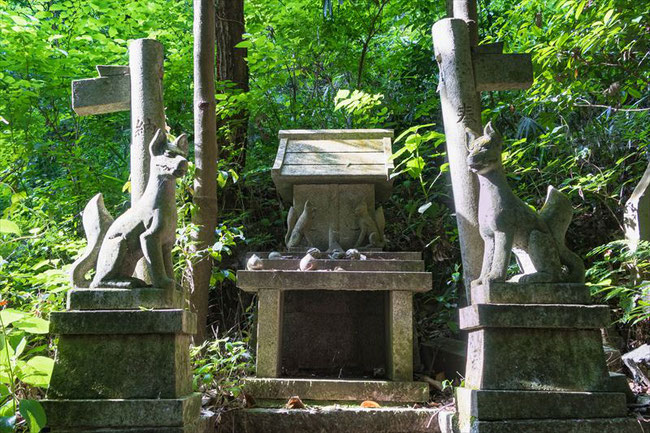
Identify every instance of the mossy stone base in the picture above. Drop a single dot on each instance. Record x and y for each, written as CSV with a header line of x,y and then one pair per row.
x,y
536,359
116,413
329,419
123,299
123,371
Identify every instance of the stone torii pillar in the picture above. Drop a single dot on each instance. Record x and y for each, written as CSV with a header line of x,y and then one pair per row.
x,y
466,69
138,88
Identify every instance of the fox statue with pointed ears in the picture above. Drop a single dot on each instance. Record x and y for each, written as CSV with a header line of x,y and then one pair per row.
x,y
148,229
508,225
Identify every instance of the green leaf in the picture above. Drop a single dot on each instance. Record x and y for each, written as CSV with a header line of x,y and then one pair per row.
x,y
244,44
37,371
7,424
9,315
34,414
7,409
33,325
9,227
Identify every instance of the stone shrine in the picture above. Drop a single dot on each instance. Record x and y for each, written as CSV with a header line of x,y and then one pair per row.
x,y
341,329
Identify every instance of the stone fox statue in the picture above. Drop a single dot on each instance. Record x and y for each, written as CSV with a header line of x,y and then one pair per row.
x,y
508,225
146,229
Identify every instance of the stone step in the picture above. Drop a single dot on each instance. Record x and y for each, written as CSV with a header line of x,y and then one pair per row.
x,y
348,265
330,419
371,255
530,316
603,425
252,281
488,405
337,390
531,293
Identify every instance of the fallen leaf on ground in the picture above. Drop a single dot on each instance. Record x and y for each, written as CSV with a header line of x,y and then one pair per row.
x,y
295,403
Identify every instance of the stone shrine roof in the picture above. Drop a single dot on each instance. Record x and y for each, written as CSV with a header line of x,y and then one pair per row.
x,y
334,156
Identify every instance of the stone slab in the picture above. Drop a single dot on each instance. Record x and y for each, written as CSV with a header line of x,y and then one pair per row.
x,y
330,419
536,359
488,405
123,299
120,366
337,390
252,281
101,95
606,425
527,293
123,322
333,209
532,316
148,413
298,253
348,265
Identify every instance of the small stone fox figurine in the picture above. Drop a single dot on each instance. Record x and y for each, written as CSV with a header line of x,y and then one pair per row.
x,y
147,229
508,225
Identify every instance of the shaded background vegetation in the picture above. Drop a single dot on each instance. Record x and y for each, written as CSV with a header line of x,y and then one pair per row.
x,y
583,127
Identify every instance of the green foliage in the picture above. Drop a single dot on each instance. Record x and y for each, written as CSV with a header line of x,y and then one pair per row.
x,y
220,365
621,276
23,368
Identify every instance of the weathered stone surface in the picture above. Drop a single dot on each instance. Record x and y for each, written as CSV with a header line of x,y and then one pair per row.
x,y
111,322
400,336
106,94
269,332
142,366
461,109
334,280
142,413
370,255
534,316
531,293
496,71
606,425
508,225
637,212
333,217
333,157
123,299
348,265
489,405
330,419
345,332
338,390
536,359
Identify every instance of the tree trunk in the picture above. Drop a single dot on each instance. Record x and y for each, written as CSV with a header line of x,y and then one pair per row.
x,y
232,66
206,154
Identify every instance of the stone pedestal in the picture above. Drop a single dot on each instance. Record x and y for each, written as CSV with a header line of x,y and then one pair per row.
x,y
361,344
122,370
536,364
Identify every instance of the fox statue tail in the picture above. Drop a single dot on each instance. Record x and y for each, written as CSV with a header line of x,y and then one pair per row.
x,y
557,213
96,221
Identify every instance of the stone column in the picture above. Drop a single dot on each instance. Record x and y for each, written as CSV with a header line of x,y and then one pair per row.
x,y
400,336
461,109
147,116
147,108
269,333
